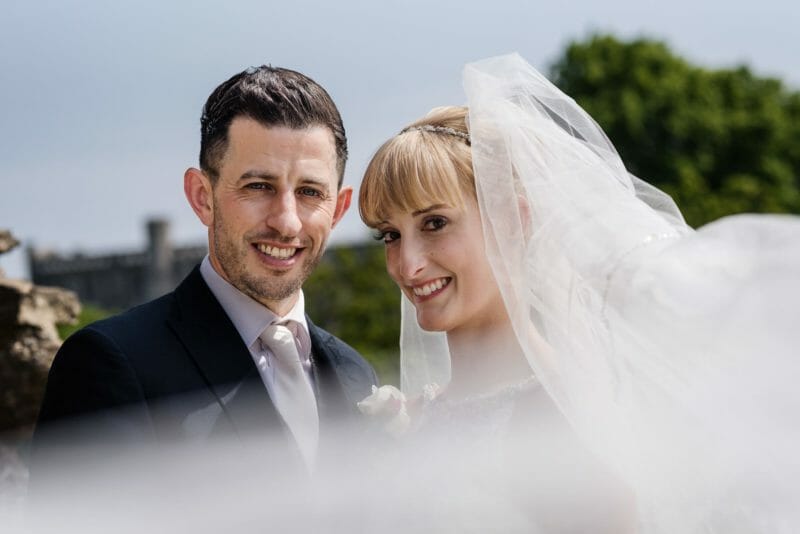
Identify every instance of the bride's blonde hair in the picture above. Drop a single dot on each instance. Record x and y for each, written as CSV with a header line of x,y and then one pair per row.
x,y
428,162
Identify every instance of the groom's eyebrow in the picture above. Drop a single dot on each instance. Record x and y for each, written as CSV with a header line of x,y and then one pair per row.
x,y
257,174
265,175
429,208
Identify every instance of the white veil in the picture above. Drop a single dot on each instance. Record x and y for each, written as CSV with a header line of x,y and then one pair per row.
x,y
673,353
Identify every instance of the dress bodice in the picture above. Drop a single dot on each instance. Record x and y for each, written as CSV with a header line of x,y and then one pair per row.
x,y
475,418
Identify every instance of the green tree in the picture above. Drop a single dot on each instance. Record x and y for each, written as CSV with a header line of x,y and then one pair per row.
x,y
350,295
719,141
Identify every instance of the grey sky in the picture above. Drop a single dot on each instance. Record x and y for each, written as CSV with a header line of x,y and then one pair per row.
x,y
101,100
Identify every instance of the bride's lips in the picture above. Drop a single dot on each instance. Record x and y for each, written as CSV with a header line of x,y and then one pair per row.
x,y
430,288
278,254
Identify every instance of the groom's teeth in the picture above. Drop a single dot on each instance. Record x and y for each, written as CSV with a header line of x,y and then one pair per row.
x,y
429,288
276,252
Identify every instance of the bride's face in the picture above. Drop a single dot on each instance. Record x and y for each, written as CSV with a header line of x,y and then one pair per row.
x,y
436,255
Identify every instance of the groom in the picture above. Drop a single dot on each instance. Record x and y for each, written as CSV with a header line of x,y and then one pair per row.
x,y
231,350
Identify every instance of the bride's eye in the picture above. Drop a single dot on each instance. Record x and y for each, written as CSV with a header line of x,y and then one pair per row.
x,y
387,236
432,224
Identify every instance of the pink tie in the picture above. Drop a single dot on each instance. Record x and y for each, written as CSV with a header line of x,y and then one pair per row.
x,y
292,393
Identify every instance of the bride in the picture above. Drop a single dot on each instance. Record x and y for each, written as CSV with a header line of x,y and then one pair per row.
x,y
542,281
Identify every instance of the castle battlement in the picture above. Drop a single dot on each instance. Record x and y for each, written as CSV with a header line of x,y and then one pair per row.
x,y
119,280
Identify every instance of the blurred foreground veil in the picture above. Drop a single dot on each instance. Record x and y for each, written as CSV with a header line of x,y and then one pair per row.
x,y
673,353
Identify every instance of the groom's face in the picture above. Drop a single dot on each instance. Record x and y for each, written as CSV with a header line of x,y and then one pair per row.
x,y
272,209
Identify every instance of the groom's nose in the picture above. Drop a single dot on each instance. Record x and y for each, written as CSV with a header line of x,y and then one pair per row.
x,y
282,215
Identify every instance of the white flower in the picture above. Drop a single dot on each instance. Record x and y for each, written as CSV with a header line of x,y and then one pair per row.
x,y
389,403
431,391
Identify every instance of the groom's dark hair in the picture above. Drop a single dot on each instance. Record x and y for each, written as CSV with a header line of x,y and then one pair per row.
x,y
272,96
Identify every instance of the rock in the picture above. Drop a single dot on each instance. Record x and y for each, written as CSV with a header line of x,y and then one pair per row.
x,y
28,342
7,241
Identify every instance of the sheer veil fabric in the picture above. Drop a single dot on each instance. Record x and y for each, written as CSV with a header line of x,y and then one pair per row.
x,y
673,353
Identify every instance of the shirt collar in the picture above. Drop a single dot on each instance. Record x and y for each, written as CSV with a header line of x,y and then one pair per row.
x,y
250,317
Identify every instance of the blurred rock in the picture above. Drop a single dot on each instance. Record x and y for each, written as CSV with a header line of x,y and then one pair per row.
x,y
28,342
7,241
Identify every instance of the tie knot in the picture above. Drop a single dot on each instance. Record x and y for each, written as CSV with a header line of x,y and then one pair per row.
x,y
280,340
278,334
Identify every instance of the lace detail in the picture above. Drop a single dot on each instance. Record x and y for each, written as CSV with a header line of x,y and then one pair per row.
x,y
477,418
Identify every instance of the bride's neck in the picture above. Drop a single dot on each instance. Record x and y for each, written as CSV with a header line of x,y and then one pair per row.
x,y
485,359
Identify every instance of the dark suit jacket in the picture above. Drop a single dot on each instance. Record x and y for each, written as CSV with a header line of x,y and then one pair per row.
x,y
176,368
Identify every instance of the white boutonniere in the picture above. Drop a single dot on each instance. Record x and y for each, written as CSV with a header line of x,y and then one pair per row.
x,y
388,403
431,391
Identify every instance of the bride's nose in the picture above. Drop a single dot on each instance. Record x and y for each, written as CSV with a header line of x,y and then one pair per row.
x,y
411,258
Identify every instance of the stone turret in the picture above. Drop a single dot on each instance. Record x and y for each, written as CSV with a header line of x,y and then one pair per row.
x,y
160,259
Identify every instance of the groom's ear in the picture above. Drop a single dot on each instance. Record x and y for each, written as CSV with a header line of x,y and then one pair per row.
x,y
343,198
199,193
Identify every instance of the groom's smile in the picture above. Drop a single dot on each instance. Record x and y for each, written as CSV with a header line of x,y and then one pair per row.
x,y
277,252
279,257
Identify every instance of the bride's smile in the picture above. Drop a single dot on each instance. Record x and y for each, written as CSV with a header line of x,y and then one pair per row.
x,y
428,290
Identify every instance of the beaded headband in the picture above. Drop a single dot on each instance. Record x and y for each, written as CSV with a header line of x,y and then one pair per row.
x,y
439,129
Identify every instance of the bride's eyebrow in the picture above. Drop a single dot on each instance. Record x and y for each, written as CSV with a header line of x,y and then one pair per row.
x,y
429,208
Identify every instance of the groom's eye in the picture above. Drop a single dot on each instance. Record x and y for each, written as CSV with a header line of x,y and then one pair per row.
x,y
310,192
258,186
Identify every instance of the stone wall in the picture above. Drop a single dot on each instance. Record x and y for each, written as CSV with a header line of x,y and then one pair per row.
x,y
119,280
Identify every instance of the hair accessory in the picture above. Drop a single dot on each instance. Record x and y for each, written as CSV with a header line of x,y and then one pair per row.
x,y
439,129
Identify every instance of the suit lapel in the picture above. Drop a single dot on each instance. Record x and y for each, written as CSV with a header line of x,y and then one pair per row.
x,y
331,379
340,384
222,359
